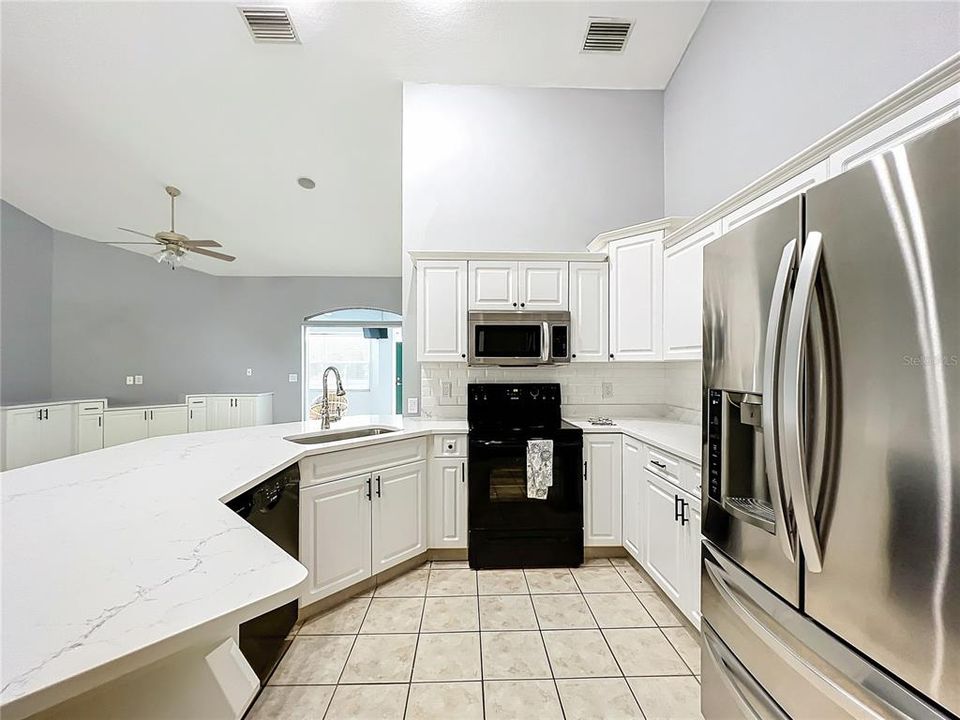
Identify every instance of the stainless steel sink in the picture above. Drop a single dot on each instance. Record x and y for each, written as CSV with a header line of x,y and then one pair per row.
x,y
332,436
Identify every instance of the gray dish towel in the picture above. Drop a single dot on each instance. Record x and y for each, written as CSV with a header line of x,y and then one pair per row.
x,y
539,468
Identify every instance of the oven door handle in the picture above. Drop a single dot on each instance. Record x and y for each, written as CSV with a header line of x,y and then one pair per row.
x,y
545,343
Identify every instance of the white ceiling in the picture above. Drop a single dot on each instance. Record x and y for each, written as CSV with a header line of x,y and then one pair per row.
x,y
104,103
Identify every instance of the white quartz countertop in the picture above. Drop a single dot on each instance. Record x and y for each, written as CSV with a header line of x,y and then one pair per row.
x,y
118,557
681,439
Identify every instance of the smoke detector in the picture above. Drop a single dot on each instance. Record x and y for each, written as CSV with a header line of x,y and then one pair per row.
x,y
606,35
269,23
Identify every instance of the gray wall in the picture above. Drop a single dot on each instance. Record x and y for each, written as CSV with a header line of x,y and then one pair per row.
x,y
495,168
84,315
26,272
760,81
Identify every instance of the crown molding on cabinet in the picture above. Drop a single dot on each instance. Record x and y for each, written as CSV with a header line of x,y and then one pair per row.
x,y
417,255
667,224
926,86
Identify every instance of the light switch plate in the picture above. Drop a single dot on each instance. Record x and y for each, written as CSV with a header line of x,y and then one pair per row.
x,y
413,405
129,379
292,377
249,372
606,390
138,379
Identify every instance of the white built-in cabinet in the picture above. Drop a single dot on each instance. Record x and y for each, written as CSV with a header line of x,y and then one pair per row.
x,y
634,538
636,292
683,295
934,111
442,311
38,433
690,561
665,535
447,492
129,424
506,285
89,426
225,412
362,511
196,414
589,312
602,493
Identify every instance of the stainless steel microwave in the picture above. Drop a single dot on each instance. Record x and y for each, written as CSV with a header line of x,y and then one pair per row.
x,y
518,338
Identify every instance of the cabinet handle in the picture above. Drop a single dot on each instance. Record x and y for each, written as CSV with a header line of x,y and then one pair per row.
x,y
574,355
463,472
523,304
611,356
100,421
584,470
369,489
683,512
151,414
46,413
144,414
378,486
514,304
659,464
677,512
40,414
463,355
191,414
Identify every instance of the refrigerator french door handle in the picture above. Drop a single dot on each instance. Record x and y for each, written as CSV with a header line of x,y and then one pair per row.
x,y
810,673
772,442
735,676
794,466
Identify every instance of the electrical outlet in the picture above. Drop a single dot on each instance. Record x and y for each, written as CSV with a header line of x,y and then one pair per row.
x,y
249,372
292,377
606,390
138,379
129,379
413,405
446,389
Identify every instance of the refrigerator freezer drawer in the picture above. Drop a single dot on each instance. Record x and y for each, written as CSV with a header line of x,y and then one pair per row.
x,y
753,640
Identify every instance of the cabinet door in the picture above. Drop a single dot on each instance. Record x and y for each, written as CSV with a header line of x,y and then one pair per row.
x,y
447,503
636,298
123,426
493,285
167,421
196,418
89,432
399,514
799,183
602,507
589,314
632,480
683,295
442,311
931,113
246,411
543,285
22,441
691,560
58,432
334,535
664,536
219,413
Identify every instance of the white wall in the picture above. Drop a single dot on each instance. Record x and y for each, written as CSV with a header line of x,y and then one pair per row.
x,y
494,168
760,81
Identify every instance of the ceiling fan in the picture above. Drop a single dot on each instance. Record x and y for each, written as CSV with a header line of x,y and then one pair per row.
x,y
175,245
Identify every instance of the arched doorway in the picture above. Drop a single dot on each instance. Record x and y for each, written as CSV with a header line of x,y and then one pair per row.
x,y
365,345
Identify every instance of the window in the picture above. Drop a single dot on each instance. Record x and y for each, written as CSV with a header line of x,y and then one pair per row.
x,y
344,348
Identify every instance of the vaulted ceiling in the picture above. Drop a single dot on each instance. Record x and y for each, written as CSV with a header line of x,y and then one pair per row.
x,y
104,103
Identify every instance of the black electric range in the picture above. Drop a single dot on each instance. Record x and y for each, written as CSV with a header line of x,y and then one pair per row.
x,y
507,528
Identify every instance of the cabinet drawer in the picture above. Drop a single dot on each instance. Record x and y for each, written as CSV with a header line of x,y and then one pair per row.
x,y
664,465
690,478
330,466
196,402
90,408
449,446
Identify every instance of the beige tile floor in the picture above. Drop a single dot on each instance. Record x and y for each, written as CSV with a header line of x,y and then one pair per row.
x,y
446,643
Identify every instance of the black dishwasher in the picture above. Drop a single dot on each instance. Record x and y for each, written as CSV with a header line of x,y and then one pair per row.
x,y
273,508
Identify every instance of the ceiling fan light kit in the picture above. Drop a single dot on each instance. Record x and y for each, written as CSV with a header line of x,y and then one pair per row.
x,y
175,245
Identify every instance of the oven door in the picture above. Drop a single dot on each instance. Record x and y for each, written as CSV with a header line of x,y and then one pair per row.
x,y
508,339
498,486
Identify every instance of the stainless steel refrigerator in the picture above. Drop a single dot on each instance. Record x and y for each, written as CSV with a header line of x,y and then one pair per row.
x,y
831,379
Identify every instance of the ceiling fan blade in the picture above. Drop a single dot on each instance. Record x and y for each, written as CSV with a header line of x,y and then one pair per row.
x,y
202,243
130,242
137,232
211,253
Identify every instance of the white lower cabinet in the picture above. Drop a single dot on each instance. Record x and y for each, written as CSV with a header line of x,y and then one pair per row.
x,y
634,540
167,421
335,535
196,414
123,426
690,596
89,432
447,503
664,535
602,495
37,434
226,412
399,515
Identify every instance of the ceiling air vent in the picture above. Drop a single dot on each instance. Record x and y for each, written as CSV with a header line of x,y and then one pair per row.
x,y
269,24
606,35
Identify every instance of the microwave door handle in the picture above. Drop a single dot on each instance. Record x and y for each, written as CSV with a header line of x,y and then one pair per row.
x,y
793,465
545,343
771,401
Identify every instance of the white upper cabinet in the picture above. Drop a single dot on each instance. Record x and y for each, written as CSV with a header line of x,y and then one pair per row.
x,y
784,191
636,295
934,111
543,285
602,494
442,311
589,312
683,295
494,285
